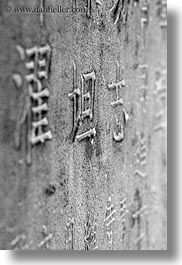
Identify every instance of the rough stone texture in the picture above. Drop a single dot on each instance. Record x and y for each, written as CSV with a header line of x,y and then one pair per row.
x,y
64,194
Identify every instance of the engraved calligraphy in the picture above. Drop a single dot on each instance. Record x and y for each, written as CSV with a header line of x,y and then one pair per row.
x,y
83,105
35,96
141,157
118,131
160,95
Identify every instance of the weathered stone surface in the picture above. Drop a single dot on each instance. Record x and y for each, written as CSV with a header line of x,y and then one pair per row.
x,y
99,179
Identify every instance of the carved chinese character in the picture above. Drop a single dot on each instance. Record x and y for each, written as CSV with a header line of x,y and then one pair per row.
x,y
35,96
141,157
83,104
118,131
90,233
109,219
142,151
160,95
144,79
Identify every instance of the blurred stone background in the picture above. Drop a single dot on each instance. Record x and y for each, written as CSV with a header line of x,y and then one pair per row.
x,y
107,191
